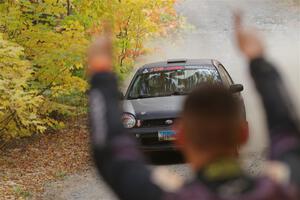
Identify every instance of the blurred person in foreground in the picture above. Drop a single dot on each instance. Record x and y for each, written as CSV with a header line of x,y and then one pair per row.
x,y
208,133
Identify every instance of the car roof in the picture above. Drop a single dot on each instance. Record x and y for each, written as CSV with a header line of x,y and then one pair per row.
x,y
176,62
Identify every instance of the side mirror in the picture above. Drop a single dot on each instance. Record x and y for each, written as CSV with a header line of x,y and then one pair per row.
x,y
236,88
121,95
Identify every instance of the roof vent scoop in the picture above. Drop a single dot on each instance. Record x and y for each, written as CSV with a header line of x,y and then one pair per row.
x,y
170,61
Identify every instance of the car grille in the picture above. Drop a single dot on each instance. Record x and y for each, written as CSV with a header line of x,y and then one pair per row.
x,y
156,122
152,139
149,139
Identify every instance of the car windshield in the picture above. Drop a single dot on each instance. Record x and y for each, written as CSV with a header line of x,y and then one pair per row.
x,y
171,82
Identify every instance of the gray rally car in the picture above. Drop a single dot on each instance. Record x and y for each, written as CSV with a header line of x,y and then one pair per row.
x,y
156,93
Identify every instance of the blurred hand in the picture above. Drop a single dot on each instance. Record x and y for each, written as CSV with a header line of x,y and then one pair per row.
x,y
249,42
100,55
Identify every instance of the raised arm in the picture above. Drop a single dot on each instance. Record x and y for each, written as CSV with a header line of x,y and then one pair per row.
x,y
281,118
116,155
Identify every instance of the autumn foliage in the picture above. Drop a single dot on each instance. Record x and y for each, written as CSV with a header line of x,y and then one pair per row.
x,y
42,54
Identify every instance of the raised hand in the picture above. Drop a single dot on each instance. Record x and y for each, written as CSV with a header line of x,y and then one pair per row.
x,y
249,42
100,54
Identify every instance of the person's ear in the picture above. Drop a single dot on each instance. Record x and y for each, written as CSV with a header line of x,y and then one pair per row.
x,y
244,133
179,130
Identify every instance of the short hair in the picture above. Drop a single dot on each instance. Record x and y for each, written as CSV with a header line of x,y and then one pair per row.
x,y
212,115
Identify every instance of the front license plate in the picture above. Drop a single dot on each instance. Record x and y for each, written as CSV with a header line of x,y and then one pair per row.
x,y
166,135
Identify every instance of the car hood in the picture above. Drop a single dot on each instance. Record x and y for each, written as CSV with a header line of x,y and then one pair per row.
x,y
154,108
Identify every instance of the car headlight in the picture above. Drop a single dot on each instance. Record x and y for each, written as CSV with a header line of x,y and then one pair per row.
x,y
128,120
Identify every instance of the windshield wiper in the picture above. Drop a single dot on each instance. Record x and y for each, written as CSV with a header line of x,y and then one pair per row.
x,y
178,93
174,93
141,96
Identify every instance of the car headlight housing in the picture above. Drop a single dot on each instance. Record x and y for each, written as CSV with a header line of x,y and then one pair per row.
x,y
128,120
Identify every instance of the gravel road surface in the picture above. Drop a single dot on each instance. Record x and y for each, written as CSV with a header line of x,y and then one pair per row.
x,y
211,37
87,185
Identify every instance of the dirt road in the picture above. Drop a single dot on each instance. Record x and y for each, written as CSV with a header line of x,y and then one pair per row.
x,y
88,186
211,37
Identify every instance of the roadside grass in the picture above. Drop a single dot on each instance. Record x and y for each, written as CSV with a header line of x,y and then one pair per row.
x,y
28,164
61,174
20,192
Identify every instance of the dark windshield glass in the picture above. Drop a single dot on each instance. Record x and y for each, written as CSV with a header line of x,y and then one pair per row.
x,y
175,82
